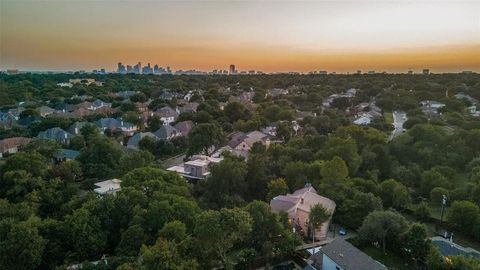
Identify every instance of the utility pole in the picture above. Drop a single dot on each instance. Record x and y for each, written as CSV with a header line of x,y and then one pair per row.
x,y
444,203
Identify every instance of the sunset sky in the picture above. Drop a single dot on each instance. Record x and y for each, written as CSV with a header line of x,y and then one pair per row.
x,y
262,35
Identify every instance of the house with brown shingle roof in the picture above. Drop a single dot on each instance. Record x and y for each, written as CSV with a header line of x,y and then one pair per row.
x,y
298,204
12,145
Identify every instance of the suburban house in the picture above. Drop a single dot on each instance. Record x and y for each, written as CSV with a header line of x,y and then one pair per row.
x,y
184,127
430,107
76,127
135,139
363,120
197,168
167,132
167,115
298,204
115,124
341,255
12,145
98,104
56,134
188,107
45,110
7,119
125,94
275,92
66,154
85,82
111,186
241,143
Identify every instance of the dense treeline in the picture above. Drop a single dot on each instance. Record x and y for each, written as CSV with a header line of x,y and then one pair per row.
x,y
50,218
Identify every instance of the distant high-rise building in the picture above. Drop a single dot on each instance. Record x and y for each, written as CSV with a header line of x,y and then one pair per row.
x,y
137,68
371,72
232,69
426,71
121,68
169,71
322,72
129,69
147,69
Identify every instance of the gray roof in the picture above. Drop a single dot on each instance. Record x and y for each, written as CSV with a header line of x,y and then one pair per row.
x,y
135,139
55,133
236,139
67,153
112,123
184,127
165,132
76,127
349,257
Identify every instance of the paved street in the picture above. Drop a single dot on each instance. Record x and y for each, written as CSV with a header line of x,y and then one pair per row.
x,y
399,119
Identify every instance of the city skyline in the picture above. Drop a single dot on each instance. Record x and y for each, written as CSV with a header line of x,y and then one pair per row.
x,y
268,36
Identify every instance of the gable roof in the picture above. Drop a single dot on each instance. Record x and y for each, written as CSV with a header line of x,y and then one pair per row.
x,y
184,127
165,132
349,257
303,199
9,143
166,112
55,133
135,139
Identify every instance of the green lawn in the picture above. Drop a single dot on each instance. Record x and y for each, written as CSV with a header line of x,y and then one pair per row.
x,y
388,117
390,260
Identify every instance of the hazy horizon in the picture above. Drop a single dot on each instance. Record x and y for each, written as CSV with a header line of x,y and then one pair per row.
x,y
269,36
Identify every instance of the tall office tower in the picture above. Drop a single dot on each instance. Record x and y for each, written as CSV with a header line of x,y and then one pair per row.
x,y
426,71
121,68
129,69
169,71
155,69
232,69
137,68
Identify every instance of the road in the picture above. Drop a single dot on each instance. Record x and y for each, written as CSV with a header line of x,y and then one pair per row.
x,y
399,119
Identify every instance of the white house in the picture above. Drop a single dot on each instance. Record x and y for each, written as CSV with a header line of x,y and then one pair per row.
x,y
111,186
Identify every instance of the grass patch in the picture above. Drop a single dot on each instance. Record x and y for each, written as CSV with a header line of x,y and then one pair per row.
x,y
388,117
390,260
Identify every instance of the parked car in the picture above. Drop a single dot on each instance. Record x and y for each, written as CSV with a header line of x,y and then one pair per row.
x,y
342,231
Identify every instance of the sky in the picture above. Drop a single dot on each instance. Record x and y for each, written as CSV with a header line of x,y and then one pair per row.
x,y
340,36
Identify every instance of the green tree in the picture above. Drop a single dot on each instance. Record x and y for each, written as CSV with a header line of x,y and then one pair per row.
x,y
434,259
85,234
31,162
165,255
379,226
422,212
154,123
317,216
416,243
226,185
218,231
131,241
285,131
135,159
202,137
463,216
276,187
100,158
334,171
21,247
235,111
394,194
